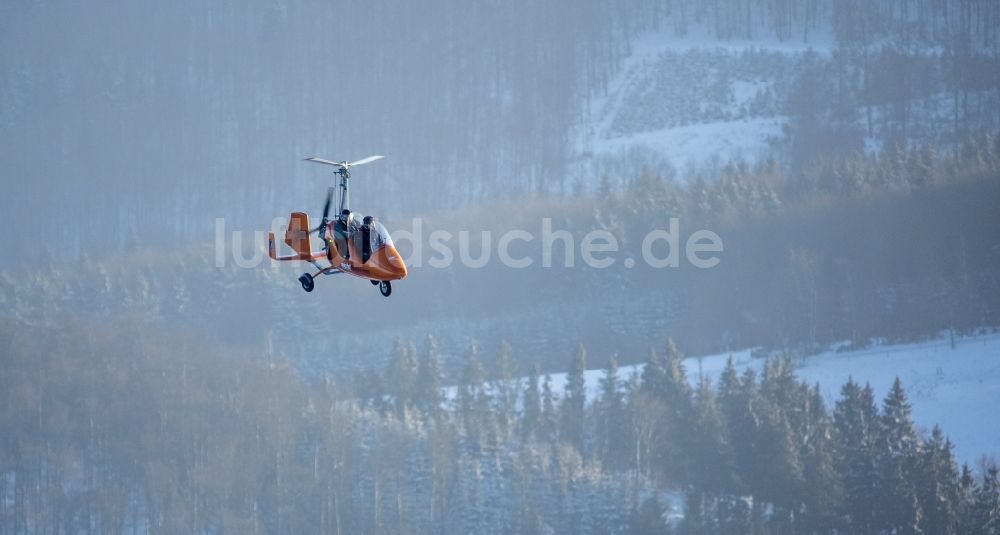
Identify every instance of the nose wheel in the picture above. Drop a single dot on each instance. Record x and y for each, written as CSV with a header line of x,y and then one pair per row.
x,y
307,282
385,287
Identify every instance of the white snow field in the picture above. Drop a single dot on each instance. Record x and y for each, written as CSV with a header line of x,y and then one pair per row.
x,y
649,82
958,389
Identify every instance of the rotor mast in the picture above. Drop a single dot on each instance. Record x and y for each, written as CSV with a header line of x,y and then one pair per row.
x,y
344,173
345,193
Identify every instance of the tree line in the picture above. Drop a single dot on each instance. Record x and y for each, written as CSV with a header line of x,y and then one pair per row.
x,y
889,244
125,429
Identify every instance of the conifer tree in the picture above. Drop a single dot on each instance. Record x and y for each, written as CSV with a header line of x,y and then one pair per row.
x,y
532,411
429,379
609,409
748,421
710,449
937,483
664,379
822,494
654,373
738,424
729,382
967,489
781,416
573,402
402,376
779,465
986,510
471,397
855,422
897,451
678,390
506,387
549,429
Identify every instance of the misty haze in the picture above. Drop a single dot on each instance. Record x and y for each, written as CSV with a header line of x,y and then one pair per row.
x,y
561,267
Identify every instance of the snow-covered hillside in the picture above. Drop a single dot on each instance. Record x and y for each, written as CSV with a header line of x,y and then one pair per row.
x,y
957,388
693,100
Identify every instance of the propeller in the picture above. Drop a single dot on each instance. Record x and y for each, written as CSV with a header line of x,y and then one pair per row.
x,y
345,164
326,215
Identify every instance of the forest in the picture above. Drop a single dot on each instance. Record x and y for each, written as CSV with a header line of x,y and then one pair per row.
x,y
146,132
893,246
125,414
126,428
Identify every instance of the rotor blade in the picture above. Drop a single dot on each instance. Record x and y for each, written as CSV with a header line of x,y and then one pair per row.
x,y
321,160
366,160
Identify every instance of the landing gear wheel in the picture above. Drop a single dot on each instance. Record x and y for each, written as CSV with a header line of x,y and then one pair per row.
x,y
375,282
307,282
385,287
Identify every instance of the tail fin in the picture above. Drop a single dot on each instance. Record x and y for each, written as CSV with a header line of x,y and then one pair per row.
x,y
297,235
272,251
270,246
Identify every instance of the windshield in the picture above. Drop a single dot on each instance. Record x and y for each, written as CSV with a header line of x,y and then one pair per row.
x,y
380,236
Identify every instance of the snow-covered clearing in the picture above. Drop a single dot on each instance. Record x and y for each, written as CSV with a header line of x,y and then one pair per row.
x,y
651,80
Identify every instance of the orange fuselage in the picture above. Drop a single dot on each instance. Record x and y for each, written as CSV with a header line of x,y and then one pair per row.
x,y
384,264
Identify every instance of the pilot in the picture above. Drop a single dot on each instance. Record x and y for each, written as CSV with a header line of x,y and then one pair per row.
x,y
343,233
366,237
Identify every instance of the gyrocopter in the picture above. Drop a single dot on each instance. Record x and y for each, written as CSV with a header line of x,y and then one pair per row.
x,y
351,243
